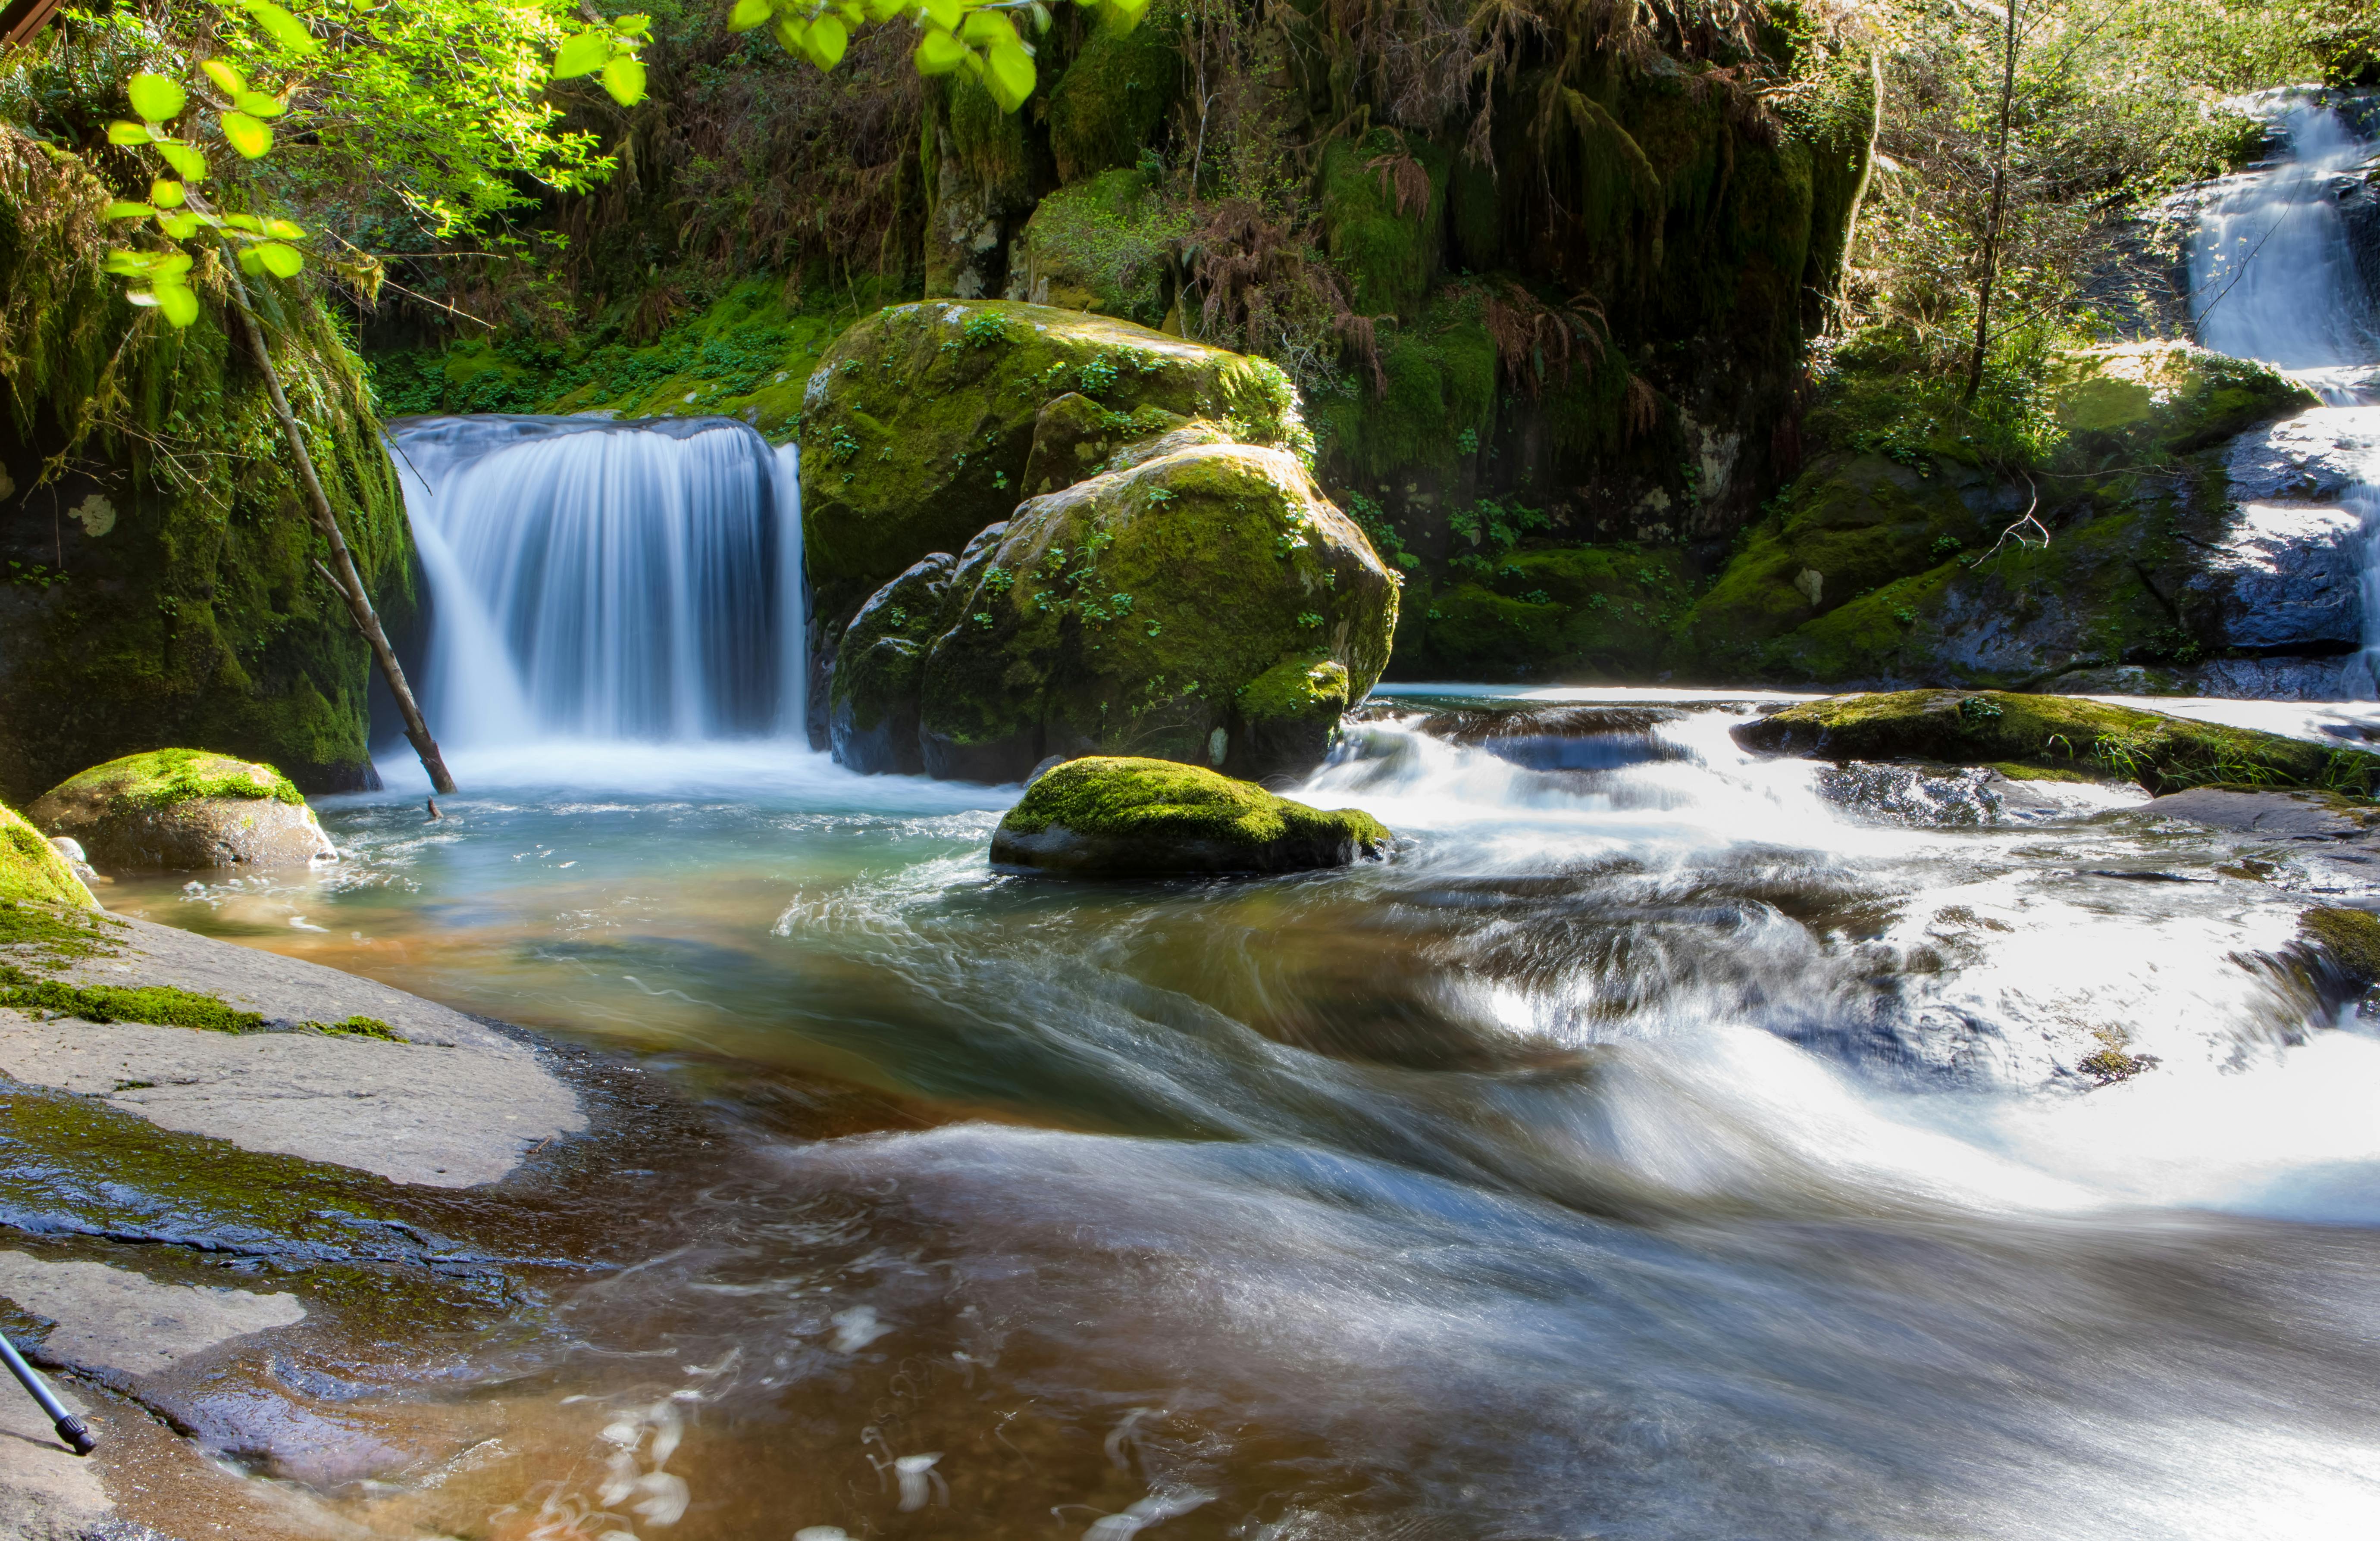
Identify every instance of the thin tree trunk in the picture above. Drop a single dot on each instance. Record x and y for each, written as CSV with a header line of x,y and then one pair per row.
x,y
342,571
1999,211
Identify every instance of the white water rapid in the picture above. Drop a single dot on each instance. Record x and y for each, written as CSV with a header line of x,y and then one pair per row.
x,y
598,582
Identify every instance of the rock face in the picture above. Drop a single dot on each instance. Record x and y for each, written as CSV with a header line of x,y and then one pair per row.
x,y
183,809
2288,578
1147,817
918,423
1204,605
2164,754
33,869
2137,398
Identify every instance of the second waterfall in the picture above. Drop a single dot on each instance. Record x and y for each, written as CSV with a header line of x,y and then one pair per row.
x,y
591,580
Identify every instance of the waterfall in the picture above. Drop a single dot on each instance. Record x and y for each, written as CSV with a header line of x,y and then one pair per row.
x,y
2273,276
592,580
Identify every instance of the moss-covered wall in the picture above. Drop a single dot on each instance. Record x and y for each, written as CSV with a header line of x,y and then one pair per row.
x,y
160,580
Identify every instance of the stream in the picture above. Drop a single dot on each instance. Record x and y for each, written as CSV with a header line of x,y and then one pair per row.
x,y
1665,1142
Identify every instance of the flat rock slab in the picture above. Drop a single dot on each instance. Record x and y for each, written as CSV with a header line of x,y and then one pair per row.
x,y
47,1493
2269,814
455,1105
112,1318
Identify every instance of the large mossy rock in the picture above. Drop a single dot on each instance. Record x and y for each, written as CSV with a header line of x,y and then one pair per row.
x,y
918,424
161,561
2163,754
33,870
1114,817
1206,605
183,809
2162,397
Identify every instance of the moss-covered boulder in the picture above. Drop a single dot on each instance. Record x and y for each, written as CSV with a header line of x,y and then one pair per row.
x,y
31,869
918,424
2164,754
879,668
1207,606
183,809
1115,817
2162,397
1105,245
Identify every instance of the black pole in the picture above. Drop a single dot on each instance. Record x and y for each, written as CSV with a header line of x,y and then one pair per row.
x,y
70,1428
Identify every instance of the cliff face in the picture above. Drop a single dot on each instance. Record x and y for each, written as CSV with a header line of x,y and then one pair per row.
x,y
159,563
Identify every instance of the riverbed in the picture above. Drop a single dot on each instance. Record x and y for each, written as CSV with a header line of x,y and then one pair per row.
x,y
1663,1143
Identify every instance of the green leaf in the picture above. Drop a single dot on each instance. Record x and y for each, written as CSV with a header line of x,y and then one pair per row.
x,y
255,104
284,230
121,210
226,79
181,224
249,262
986,27
245,222
181,306
170,265
285,29
828,38
885,10
1011,75
246,135
939,54
624,78
747,15
583,54
946,14
792,34
282,262
126,263
183,158
155,97
121,132
166,194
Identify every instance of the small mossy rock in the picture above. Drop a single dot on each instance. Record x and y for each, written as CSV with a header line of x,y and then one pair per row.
x,y
1208,606
2348,940
31,868
872,708
2163,754
182,809
918,425
2173,397
1118,816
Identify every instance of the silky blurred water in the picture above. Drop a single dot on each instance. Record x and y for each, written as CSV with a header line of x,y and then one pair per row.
x,y
1666,1143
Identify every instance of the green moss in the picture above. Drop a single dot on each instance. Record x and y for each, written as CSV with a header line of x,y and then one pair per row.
x,y
51,935
1438,385
165,778
920,421
2163,754
1104,245
1383,203
1121,795
31,873
161,1004
191,609
357,1027
2349,939
1114,94
1296,687
1584,614
2162,398
2017,771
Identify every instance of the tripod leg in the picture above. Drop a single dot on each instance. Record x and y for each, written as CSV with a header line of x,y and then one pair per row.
x,y
71,1429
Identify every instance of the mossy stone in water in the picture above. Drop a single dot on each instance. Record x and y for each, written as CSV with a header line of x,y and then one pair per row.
x,y
182,809
2348,939
918,424
2164,754
1115,817
31,868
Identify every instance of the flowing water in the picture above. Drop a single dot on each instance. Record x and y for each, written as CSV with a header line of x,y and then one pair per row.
x,y
1664,1144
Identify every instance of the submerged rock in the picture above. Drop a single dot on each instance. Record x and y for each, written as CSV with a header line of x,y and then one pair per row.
x,y
183,808
33,868
1104,817
2162,753
1206,605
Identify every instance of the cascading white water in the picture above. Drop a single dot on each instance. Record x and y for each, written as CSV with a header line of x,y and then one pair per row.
x,y
2273,276
591,580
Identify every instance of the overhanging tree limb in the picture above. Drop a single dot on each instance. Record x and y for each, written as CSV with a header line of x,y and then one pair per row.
x,y
342,568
